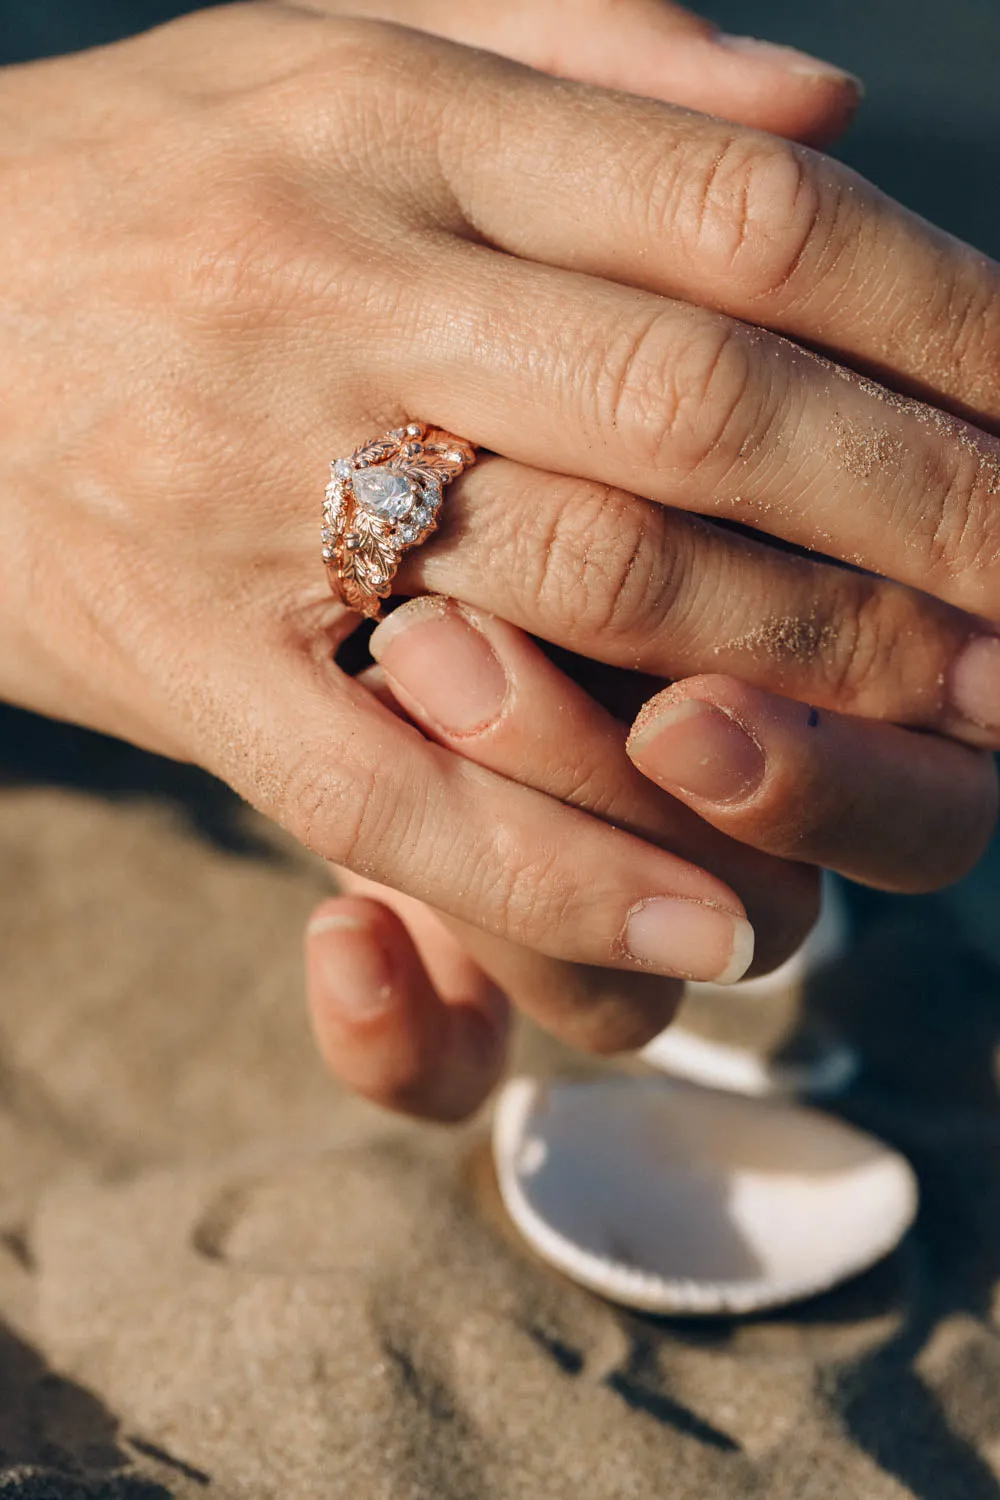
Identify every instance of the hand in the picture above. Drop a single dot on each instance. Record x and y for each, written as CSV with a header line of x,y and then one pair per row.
x,y
406,1006
423,1054
435,1044
194,337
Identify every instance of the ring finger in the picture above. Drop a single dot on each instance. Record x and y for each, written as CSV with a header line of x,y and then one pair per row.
x,y
641,586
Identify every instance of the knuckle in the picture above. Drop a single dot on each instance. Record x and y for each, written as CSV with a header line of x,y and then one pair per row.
x,y
341,812
247,265
889,652
641,580
971,351
676,397
263,264
731,201
600,566
531,893
261,258
855,641
953,337
959,535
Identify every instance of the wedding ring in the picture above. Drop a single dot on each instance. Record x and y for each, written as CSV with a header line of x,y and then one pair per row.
x,y
382,501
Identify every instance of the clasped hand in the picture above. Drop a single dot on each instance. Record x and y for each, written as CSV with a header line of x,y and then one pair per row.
x,y
247,241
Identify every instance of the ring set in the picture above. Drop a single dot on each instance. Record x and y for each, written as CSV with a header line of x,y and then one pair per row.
x,y
381,501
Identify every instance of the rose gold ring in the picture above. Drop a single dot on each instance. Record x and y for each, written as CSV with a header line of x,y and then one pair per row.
x,y
382,501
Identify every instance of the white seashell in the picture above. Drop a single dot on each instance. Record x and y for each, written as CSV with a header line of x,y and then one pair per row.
x,y
676,1199
716,1065
685,1054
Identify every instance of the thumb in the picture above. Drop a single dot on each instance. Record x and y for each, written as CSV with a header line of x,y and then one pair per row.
x,y
649,47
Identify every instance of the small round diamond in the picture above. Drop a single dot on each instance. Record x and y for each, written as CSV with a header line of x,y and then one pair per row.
x,y
409,532
328,554
455,457
414,430
397,433
343,468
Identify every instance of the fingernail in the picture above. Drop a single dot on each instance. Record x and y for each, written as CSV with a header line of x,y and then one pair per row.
x,y
432,650
788,58
689,939
975,682
697,748
356,975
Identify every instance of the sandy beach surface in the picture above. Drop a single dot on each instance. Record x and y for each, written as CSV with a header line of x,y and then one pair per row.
x,y
221,1276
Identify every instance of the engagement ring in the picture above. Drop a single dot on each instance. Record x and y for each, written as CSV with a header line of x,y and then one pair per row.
x,y
381,501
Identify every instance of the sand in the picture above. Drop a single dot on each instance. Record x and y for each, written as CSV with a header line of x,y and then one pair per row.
x,y
221,1276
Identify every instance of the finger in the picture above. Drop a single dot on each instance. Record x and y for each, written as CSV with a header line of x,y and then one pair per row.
x,y
648,47
646,587
702,413
588,1008
742,222
901,811
485,690
400,1014
312,749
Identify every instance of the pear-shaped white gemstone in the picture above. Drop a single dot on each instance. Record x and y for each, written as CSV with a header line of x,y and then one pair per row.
x,y
383,492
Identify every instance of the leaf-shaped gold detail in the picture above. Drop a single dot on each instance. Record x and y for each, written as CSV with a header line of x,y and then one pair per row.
x,y
366,568
438,464
376,452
